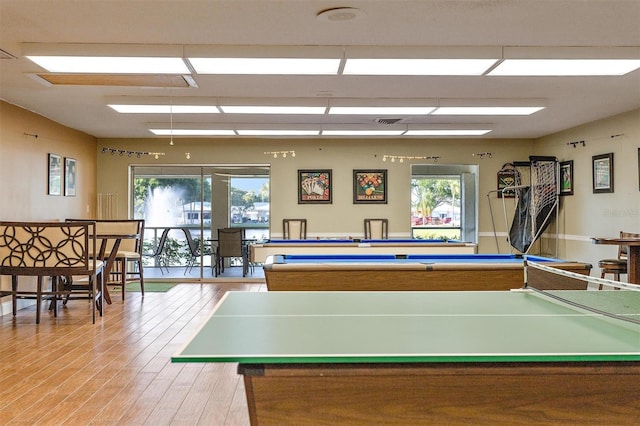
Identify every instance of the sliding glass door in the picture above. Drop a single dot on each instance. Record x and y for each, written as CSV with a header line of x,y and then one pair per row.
x,y
184,206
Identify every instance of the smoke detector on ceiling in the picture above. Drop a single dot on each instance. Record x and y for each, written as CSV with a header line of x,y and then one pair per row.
x,y
339,14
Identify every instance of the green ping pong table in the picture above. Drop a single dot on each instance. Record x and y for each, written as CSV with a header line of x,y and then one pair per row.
x,y
428,357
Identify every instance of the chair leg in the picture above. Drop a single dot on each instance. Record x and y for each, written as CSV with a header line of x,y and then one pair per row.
x,y
123,276
55,286
100,300
38,299
141,273
14,296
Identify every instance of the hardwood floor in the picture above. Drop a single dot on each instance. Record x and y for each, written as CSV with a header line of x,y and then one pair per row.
x,y
68,371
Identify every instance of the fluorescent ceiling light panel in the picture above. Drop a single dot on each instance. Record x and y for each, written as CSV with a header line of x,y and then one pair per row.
x,y
278,132
362,132
165,109
417,66
111,64
447,132
275,66
381,110
257,109
486,110
193,132
565,67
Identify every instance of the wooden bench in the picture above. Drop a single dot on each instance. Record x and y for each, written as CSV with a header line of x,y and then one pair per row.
x,y
54,251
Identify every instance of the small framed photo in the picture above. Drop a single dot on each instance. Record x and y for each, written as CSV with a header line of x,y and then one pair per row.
x,y
314,187
566,177
370,187
638,169
69,177
602,173
54,174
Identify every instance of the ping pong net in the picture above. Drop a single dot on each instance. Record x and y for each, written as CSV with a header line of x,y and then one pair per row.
x,y
596,295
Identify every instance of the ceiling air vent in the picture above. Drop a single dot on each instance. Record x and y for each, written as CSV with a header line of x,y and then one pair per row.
x,y
6,55
388,121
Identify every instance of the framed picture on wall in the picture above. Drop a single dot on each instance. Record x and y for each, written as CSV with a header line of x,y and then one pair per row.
x,y
507,176
602,173
370,187
69,177
566,177
54,174
638,169
314,187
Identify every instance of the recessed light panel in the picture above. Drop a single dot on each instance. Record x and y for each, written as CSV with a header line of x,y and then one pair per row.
x,y
165,109
565,67
192,132
447,132
111,65
417,66
486,110
259,109
275,66
278,132
381,110
362,132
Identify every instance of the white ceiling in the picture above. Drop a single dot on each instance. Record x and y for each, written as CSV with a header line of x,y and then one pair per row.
x,y
570,101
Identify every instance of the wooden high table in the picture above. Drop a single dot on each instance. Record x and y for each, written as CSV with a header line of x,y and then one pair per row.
x,y
633,254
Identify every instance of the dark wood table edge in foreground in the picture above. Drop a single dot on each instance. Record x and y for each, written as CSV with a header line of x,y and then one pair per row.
x,y
443,393
633,254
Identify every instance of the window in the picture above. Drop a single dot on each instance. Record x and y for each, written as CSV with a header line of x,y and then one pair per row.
x,y
443,202
249,200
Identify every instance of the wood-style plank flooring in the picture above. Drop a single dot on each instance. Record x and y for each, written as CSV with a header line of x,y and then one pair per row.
x,y
68,371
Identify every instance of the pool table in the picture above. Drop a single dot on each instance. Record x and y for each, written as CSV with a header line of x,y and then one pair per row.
x,y
433,272
258,252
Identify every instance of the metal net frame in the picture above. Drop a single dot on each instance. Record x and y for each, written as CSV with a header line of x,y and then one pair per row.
x,y
535,191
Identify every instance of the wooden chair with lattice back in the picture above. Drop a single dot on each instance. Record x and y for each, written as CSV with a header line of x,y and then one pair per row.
x,y
294,229
376,229
617,266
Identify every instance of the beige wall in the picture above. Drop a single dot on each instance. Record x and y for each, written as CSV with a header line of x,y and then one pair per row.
x,y
23,167
23,170
341,218
581,216
585,214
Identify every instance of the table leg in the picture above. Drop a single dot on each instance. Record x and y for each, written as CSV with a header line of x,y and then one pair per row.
x,y
633,264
